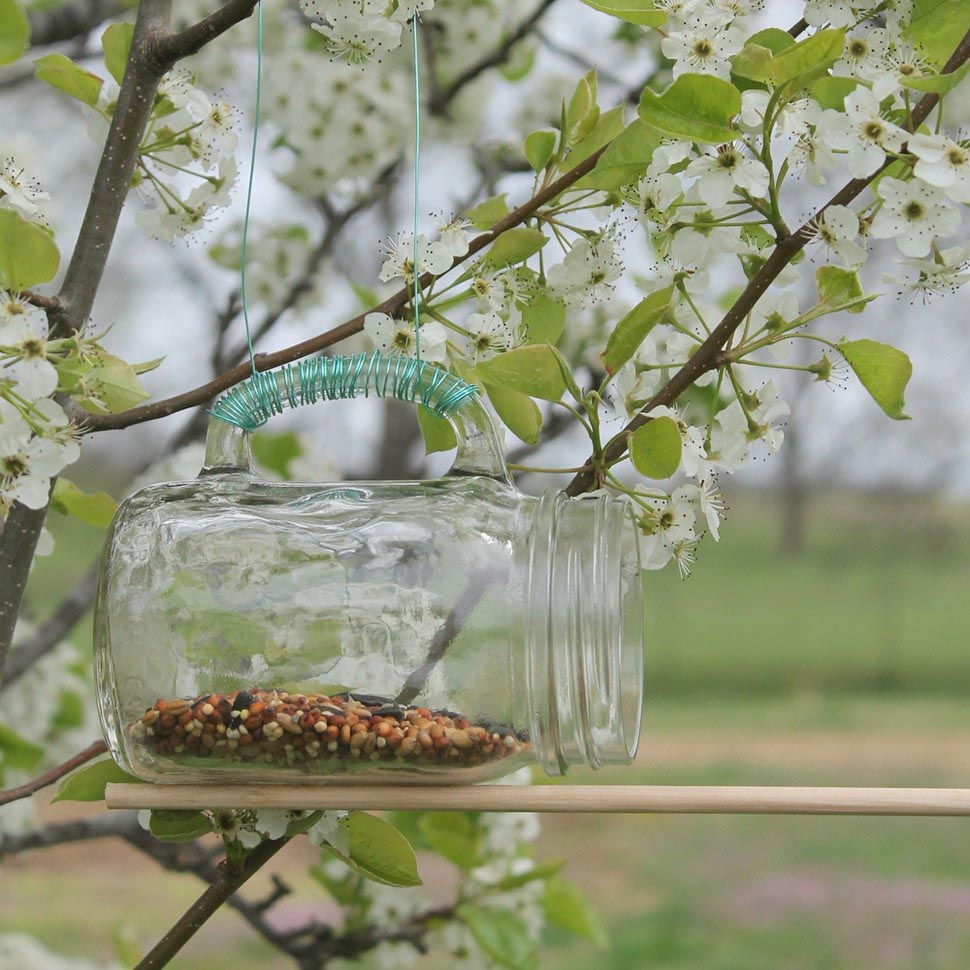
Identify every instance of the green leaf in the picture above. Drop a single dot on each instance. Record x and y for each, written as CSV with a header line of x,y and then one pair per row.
x,y
544,870
608,127
519,64
178,825
631,331
883,370
116,42
936,27
632,11
752,61
533,370
539,147
773,38
62,73
810,58
940,84
518,412
275,451
95,508
300,826
840,289
378,851
831,91
544,319
452,835
486,214
28,254
14,31
626,159
87,784
514,246
437,431
500,933
582,112
17,752
567,907
696,106
655,448
111,385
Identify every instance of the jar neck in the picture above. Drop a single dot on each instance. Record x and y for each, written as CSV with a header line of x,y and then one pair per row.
x,y
583,632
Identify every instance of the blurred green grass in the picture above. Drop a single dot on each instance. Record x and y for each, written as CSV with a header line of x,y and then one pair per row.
x,y
876,599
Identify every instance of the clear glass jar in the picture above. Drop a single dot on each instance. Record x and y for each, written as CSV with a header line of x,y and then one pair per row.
x,y
437,631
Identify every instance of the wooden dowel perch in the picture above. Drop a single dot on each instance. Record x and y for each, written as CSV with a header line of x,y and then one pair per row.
x,y
606,799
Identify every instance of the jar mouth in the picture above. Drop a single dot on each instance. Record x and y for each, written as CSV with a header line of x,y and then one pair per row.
x,y
584,632
631,645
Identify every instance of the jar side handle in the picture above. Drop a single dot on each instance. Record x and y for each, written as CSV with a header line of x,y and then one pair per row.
x,y
252,403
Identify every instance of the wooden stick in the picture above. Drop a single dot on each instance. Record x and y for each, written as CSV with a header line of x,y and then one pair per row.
x,y
606,799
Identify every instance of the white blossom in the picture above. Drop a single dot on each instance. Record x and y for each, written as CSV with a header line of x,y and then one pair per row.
x,y
396,336
489,334
944,272
942,162
838,13
837,229
433,257
23,336
702,48
863,55
588,271
862,131
18,190
719,173
914,214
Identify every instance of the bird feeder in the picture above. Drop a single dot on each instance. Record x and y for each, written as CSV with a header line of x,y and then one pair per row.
x,y
438,631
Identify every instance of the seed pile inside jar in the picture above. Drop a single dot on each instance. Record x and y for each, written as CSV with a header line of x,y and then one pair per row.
x,y
321,732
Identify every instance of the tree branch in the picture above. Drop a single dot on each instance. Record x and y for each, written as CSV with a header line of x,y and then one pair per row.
x,y
705,357
165,48
51,25
113,824
207,904
392,305
446,93
55,774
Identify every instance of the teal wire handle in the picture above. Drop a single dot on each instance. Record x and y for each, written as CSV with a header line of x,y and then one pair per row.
x,y
252,403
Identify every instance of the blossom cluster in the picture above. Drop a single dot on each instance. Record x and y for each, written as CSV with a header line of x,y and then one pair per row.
x,y
190,141
362,30
36,438
494,324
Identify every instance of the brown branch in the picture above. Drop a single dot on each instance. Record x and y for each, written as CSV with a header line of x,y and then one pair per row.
x,y
49,303
109,825
70,20
798,27
392,305
55,774
439,103
705,357
207,904
165,48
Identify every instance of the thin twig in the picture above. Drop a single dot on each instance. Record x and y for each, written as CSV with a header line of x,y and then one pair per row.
x,y
499,55
55,774
705,357
167,48
196,915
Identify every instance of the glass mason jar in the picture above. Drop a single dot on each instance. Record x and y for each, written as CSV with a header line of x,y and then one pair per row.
x,y
432,631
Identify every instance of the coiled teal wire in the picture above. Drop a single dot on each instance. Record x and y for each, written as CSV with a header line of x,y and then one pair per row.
x,y
254,401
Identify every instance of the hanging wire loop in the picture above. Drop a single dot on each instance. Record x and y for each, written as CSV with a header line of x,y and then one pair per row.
x,y
252,403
